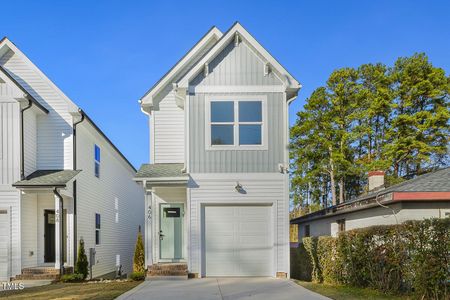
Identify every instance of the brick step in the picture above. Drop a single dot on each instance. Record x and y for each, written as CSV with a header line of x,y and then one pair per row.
x,y
167,273
37,272
168,267
37,277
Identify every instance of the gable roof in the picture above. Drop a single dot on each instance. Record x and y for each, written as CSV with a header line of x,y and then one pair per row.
x,y
213,33
163,170
47,178
5,43
26,95
421,187
290,82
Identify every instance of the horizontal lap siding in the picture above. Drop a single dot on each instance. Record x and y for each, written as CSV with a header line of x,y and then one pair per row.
x,y
29,230
98,195
169,131
30,141
259,188
236,161
54,133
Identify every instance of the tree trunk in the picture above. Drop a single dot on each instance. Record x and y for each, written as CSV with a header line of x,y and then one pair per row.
x,y
341,190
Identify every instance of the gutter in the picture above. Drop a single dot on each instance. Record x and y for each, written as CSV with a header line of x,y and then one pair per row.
x,y
74,186
61,222
22,146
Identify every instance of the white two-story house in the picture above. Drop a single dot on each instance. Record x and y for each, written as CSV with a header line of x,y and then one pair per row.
x,y
217,195
61,180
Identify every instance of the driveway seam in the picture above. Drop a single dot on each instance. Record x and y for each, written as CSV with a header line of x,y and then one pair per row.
x,y
220,291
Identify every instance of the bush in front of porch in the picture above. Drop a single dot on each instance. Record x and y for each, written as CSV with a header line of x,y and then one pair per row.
x,y
81,266
138,259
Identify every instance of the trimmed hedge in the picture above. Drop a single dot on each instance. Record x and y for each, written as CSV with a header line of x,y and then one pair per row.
x,y
413,257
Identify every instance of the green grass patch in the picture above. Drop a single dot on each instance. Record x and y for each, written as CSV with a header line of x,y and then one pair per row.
x,y
339,292
102,291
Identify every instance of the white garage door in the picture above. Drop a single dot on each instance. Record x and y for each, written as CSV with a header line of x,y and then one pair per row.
x,y
4,244
238,241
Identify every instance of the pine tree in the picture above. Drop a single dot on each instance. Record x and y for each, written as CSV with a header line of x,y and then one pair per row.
x,y
81,266
139,256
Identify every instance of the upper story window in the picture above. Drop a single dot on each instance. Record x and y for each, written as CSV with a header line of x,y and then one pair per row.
x,y
236,123
97,161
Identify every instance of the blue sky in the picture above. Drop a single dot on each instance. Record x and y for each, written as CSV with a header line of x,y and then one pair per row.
x,y
105,54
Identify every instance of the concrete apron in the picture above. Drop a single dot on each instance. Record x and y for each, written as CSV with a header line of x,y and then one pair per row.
x,y
221,289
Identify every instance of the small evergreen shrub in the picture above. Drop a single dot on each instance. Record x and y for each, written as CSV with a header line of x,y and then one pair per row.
x,y
137,276
139,255
81,266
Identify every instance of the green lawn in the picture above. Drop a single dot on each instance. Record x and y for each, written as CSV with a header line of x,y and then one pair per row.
x,y
347,293
67,291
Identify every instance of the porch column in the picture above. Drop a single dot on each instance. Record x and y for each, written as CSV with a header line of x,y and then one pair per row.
x,y
148,228
58,214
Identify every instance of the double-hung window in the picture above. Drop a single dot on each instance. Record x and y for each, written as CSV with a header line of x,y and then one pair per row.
x,y
97,161
236,123
97,229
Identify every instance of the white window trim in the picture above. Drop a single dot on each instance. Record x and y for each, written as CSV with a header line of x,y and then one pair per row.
x,y
97,161
236,99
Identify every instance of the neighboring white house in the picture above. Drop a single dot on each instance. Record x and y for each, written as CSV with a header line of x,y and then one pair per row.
x,y
426,196
53,194
217,196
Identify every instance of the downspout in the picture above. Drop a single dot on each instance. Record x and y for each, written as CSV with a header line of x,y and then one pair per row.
x,y
61,233
22,138
74,190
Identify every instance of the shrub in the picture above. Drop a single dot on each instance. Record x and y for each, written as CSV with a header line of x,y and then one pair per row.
x,y
137,276
72,277
139,256
81,266
328,260
311,248
301,267
410,257
429,252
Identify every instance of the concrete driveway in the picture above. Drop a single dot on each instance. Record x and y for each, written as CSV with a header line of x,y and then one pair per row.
x,y
220,289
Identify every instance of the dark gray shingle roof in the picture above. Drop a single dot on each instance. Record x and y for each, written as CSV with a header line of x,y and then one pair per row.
x,y
48,178
160,171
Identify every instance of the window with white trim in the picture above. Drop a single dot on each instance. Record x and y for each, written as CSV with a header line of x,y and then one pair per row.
x,y
97,161
235,123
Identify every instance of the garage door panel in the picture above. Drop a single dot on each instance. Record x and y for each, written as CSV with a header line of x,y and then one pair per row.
x,y
238,241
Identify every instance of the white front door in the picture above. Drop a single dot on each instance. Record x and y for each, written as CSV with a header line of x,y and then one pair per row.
x,y
4,244
238,241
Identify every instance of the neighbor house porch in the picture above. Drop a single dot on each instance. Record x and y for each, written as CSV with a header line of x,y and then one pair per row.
x,y
46,224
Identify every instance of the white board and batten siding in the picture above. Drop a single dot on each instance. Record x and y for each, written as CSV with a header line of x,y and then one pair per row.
x,y
114,195
263,191
9,196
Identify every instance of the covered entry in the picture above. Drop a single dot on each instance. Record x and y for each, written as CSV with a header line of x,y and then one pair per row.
x,y
238,240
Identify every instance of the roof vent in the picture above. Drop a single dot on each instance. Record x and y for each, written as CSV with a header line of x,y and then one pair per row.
x,y
376,180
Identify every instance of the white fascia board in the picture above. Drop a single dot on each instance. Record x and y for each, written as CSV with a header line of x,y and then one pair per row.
x,y
161,179
6,44
147,99
290,81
